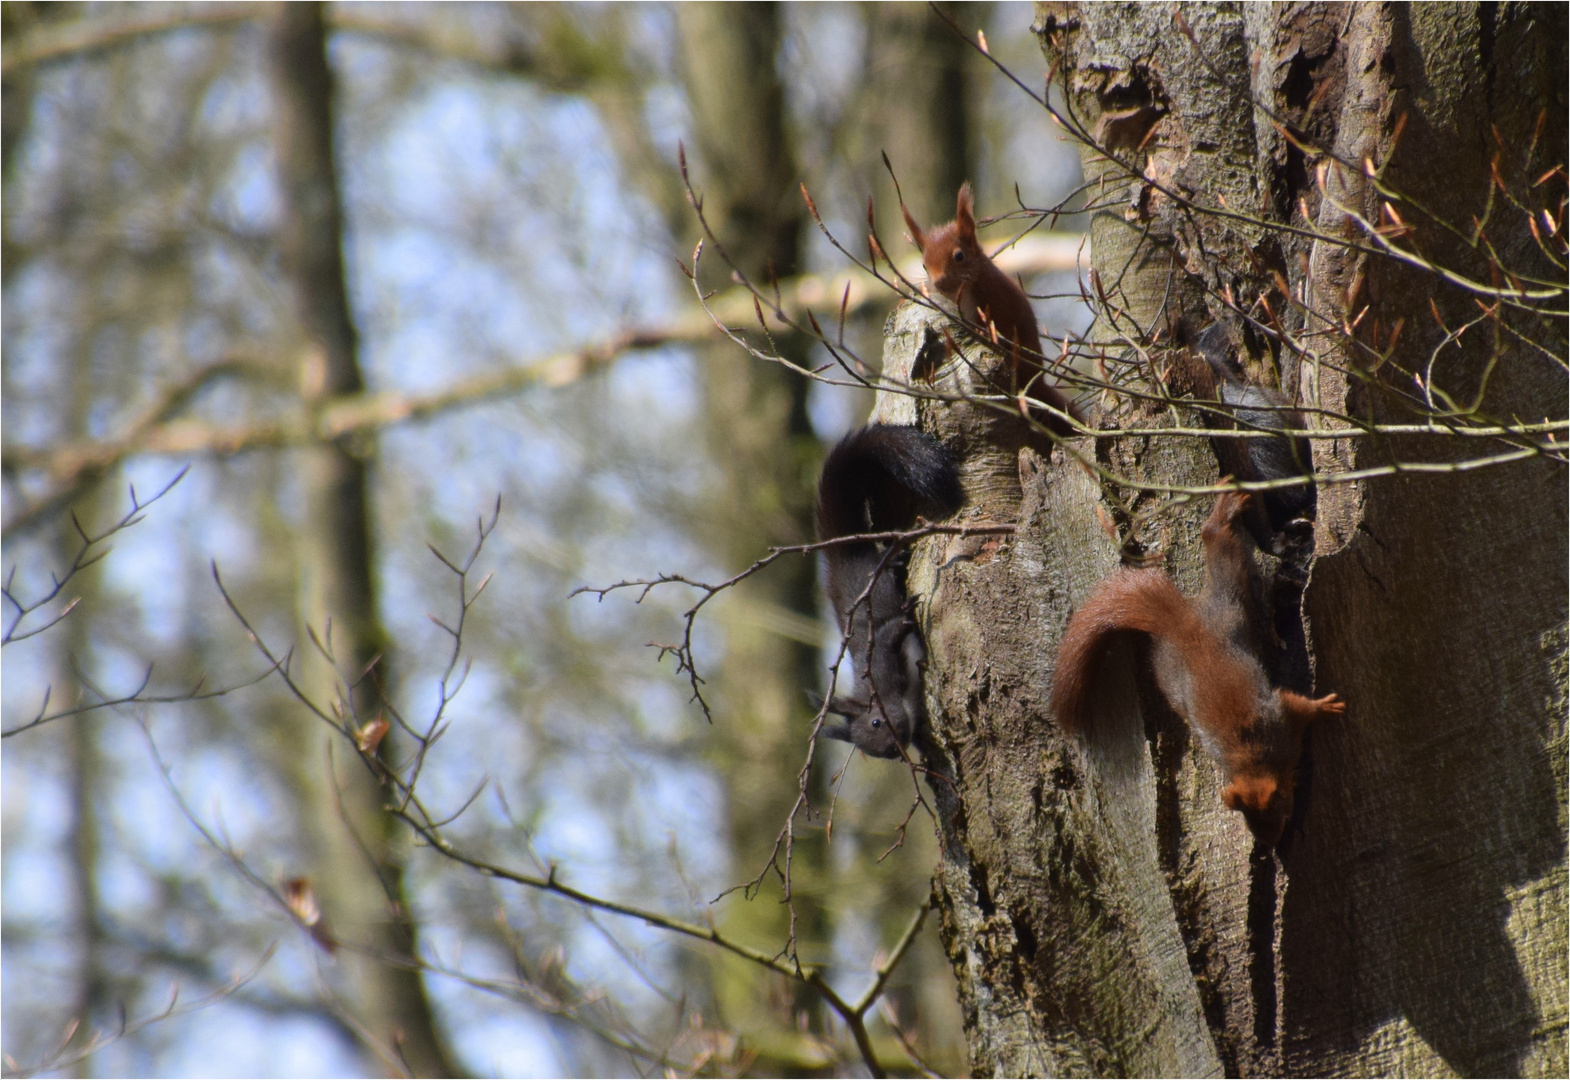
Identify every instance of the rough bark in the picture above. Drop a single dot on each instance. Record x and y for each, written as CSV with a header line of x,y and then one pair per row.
x,y
1102,911
357,868
1425,931
1050,877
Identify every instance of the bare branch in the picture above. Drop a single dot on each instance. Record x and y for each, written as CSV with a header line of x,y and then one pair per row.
x,y
411,809
60,1059
139,696
685,660
68,40
87,553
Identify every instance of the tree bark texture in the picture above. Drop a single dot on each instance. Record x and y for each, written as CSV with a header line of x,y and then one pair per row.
x,y
357,868
1102,910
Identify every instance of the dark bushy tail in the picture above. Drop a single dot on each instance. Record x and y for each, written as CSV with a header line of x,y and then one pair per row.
x,y
1142,601
881,478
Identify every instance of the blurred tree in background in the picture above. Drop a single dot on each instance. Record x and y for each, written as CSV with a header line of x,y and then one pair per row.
x,y
365,268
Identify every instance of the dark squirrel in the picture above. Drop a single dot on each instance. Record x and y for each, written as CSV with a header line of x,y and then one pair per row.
x,y
1253,407
1207,666
880,479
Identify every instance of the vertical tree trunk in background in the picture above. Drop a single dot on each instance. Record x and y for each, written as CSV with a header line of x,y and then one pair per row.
x,y
88,784
917,106
357,868
917,109
16,106
762,443
1103,912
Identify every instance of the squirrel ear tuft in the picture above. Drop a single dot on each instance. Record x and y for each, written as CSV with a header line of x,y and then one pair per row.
x,y
915,230
846,707
965,211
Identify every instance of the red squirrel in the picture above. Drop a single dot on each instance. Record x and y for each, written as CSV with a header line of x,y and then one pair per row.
x,y
1206,667
987,298
879,479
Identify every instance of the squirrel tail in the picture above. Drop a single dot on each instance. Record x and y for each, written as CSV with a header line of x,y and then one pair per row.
x,y
881,477
1144,601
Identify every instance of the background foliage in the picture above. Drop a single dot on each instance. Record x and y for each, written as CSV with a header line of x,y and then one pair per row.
x,y
508,181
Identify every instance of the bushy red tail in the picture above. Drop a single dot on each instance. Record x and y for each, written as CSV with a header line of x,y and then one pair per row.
x,y
1139,601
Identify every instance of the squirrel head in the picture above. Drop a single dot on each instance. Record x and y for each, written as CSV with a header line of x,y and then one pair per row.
x,y
1265,803
951,253
867,727
1263,778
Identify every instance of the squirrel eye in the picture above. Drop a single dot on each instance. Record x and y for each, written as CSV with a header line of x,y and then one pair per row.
x,y
877,722
959,254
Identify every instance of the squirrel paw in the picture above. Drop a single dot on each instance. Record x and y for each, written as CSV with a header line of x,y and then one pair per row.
x,y
1330,703
1305,711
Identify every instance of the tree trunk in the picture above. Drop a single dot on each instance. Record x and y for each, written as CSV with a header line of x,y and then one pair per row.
x,y
1102,910
88,782
917,109
762,444
357,863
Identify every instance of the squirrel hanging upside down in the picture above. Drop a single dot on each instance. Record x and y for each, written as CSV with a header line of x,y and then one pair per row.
x,y
994,304
1206,666
880,479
